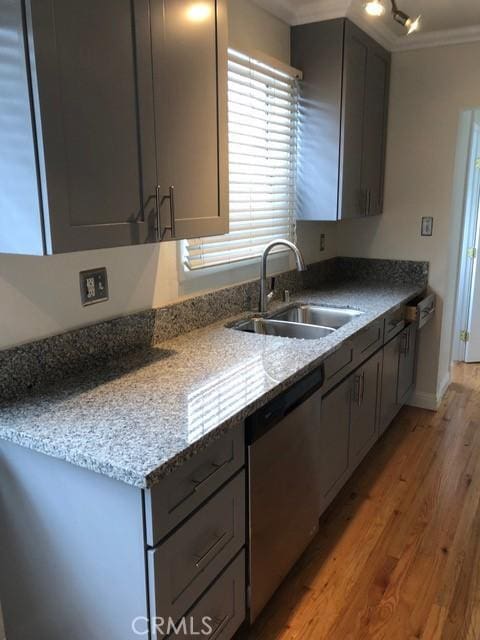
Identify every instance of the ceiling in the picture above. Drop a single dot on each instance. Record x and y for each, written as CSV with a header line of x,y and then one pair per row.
x,y
443,21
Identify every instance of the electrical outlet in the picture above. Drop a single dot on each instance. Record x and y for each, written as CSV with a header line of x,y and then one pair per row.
x,y
93,286
322,242
427,226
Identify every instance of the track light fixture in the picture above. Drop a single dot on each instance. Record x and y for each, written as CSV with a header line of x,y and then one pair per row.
x,y
377,8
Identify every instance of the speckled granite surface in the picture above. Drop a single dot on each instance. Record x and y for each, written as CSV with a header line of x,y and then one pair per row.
x,y
136,418
27,368
375,270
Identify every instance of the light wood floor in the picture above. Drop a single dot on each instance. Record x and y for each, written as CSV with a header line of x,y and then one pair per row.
x,y
398,553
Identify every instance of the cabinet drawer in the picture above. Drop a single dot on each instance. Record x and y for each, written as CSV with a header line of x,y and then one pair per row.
x,y
368,341
177,495
221,608
338,364
394,323
421,310
182,567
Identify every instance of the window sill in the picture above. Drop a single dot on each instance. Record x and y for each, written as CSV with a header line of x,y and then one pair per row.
x,y
228,274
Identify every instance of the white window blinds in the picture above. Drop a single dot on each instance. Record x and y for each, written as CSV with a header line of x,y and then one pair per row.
x,y
262,124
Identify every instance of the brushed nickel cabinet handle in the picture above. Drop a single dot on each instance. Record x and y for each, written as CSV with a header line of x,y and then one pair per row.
x,y
158,222
215,469
404,344
200,559
171,197
220,626
356,390
160,201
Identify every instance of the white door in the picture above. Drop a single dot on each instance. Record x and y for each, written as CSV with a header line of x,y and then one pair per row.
x,y
472,346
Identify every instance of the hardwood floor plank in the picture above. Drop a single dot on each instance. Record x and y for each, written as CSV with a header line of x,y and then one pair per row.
x,y
398,552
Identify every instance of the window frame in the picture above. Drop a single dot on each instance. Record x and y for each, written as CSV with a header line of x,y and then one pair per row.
x,y
247,267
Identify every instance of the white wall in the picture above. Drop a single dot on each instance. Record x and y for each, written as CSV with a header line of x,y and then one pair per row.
x,y
40,296
430,88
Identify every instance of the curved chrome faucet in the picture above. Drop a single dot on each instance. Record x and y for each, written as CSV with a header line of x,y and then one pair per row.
x,y
264,296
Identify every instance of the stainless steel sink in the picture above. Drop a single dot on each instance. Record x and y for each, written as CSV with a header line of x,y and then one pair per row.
x,y
274,327
329,317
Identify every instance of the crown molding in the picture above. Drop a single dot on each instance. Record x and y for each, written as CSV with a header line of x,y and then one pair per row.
x,y
426,39
280,8
295,13
313,12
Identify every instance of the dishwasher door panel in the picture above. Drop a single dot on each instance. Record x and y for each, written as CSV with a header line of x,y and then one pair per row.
x,y
284,489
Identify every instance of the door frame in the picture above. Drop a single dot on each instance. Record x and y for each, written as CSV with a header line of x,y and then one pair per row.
x,y
467,264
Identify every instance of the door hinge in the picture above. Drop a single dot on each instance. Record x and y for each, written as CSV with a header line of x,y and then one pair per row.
x,y
464,336
472,252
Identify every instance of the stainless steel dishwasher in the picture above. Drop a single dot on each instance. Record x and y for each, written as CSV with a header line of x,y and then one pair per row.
x,y
283,441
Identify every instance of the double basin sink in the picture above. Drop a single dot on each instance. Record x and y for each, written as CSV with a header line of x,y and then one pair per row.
x,y
305,321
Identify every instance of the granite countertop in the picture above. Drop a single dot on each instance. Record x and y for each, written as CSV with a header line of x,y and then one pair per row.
x,y
142,415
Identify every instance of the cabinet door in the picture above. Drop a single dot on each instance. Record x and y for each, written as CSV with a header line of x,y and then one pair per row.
x,y
375,128
407,361
190,78
352,198
334,429
389,405
95,122
317,49
365,399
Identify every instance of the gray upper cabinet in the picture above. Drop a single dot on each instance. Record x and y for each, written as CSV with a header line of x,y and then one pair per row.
x,y
190,77
87,79
375,128
110,104
343,120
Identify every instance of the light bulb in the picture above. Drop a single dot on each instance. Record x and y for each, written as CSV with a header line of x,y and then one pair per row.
x,y
198,11
413,25
374,8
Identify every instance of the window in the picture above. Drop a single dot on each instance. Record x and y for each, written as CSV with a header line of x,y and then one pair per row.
x,y
262,124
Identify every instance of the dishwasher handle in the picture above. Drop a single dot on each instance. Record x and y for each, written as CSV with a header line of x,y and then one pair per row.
x,y
268,416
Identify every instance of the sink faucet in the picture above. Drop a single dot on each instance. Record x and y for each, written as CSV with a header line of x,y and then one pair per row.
x,y
264,296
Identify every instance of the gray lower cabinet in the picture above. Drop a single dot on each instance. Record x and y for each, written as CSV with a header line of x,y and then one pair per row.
x,y
398,377
389,403
183,566
335,432
349,425
220,611
344,103
407,361
365,404
182,491
113,131
73,550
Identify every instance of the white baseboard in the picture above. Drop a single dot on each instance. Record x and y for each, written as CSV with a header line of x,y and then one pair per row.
x,y
443,386
430,401
424,400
